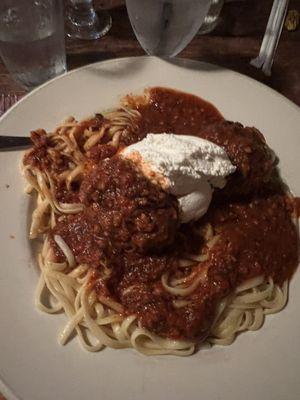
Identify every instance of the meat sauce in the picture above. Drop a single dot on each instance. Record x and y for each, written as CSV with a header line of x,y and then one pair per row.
x,y
297,206
39,156
130,226
45,157
125,213
172,111
184,114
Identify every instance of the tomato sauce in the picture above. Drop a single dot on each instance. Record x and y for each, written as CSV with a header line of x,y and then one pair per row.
x,y
130,230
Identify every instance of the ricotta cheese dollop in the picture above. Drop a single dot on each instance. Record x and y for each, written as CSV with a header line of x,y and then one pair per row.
x,y
186,166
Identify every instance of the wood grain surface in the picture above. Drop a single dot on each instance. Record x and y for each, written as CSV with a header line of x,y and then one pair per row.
x,y
235,41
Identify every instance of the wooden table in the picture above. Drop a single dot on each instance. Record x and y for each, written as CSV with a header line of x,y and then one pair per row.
x,y
235,41
233,44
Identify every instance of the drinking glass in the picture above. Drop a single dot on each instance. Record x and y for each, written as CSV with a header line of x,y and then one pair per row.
x,y
32,40
82,22
165,27
212,17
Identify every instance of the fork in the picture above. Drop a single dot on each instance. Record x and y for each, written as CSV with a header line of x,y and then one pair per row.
x,y
11,142
7,101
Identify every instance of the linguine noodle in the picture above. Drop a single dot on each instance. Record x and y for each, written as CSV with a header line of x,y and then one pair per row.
x,y
67,286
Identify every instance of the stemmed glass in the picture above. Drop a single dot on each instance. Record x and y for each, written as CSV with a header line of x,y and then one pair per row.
x,y
165,27
82,21
211,19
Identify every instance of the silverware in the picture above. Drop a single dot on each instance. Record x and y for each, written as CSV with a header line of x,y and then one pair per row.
x,y
14,143
11,142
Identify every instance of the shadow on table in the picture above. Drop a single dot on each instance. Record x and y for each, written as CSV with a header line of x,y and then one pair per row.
x,y
193,64
127,67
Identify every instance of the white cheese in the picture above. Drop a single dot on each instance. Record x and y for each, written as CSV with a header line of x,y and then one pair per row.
x,y
186,166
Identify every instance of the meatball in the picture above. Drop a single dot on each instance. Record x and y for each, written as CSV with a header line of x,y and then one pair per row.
x,y
134,213
247,150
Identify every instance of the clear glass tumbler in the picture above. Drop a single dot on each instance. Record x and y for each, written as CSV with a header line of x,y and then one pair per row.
x,y
32,42
165,27
82,21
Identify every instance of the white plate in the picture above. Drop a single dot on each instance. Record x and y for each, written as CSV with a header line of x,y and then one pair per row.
x,y
261,365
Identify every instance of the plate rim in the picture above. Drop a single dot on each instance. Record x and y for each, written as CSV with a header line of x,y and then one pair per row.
x,y
179,61
4,387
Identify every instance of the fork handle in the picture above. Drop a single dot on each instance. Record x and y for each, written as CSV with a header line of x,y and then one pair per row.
x,y
14,143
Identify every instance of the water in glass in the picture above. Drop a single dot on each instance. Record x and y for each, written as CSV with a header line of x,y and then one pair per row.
x,y
32,40
165,27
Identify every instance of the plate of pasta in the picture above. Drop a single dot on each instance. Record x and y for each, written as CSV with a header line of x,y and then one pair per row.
x,y
154,216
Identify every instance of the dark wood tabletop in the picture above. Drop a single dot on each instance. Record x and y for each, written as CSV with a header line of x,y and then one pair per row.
x,y
234,42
